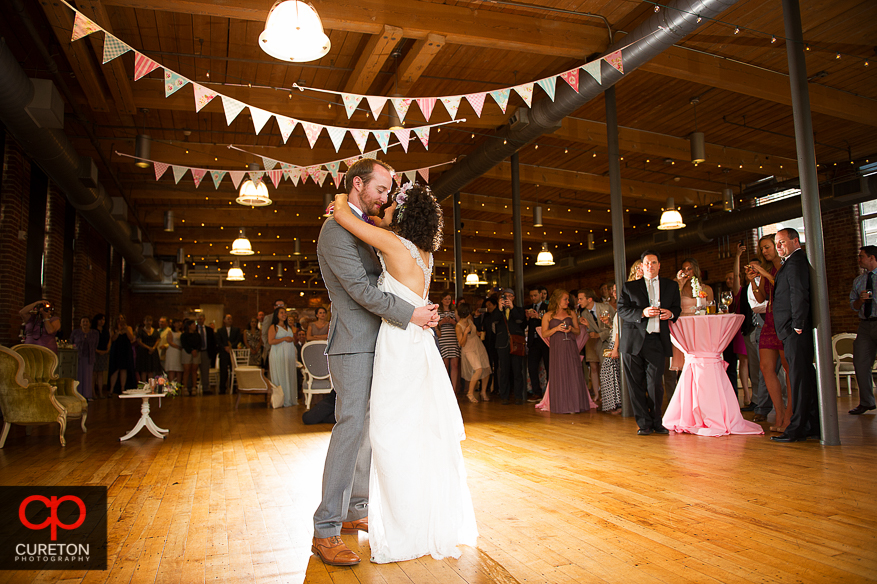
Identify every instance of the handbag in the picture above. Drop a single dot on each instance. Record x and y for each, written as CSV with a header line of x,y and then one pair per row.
x,y
517,343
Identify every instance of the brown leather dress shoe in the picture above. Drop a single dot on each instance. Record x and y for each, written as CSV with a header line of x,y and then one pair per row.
x,y
351,527
759,418
333,551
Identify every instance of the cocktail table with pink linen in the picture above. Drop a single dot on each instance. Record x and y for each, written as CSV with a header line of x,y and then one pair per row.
x,y
704,402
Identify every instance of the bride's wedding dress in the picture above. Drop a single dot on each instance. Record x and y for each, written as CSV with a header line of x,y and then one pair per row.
x,y
419,502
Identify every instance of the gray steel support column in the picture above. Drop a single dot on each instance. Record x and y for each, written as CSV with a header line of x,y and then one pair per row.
x,y
516,227
458,248
812,220
616,208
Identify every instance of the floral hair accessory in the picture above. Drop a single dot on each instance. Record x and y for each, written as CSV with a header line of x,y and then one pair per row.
x,y
402,193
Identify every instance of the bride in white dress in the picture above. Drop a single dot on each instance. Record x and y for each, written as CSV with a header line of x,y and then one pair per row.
x,y
419,502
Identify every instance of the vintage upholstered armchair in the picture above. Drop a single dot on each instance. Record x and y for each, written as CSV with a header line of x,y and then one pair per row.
x,y
24,402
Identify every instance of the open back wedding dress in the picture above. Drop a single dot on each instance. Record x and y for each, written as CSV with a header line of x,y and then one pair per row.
x,y
419,502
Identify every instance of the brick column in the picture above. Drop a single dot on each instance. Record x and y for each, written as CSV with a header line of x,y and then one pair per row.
x,y
14,196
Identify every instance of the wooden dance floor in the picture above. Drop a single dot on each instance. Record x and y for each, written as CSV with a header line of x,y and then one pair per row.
x,y
229,497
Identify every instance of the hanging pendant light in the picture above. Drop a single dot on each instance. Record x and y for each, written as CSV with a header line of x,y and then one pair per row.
x,y
544,258
481,279
395,121
235,274
254,193
537,216
241,245
670,218
472,277
696,139
591,245
297,249
141,150
169,221
728,199
293,32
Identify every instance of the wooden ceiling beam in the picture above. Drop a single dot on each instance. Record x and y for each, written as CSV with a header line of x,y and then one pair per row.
x,y
664,146
81,62
371,61
459,25
760,83
415,63
561,214
114,72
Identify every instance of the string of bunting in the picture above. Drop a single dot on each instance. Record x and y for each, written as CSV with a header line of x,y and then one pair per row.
x,y
173,82
287,171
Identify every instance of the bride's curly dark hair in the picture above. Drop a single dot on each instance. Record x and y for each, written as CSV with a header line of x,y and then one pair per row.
x,y
419,219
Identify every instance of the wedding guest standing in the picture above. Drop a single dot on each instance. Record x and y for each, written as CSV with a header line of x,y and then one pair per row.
x,y
228,338
282,359
688,278
173,360
560,327
736,350
476,365
610,370
448,345
508,320
190,343
41,324
101,354
865,345
253,341
148,340
537,349
121,354
85,339
319,329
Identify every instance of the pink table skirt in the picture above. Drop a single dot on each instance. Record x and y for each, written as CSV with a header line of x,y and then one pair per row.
x,y
704,402
545,404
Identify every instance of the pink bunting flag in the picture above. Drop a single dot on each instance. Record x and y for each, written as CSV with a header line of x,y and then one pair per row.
x,y
287,125
571,77
426,104
397,178
160,167
423,134
312,131
313,172
275,176
203,96
476,100
321,177
236,177
401,104
351,101
424,172
526,93
452,104
376,104
349,161
614,59
82,27
360,136
337,179
295,174
197,175
143,65
404,135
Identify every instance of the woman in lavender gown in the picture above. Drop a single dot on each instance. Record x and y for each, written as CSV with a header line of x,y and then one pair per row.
x,y
561,327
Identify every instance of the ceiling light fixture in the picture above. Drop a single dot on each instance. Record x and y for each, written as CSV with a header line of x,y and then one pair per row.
x,y
293,32
142,149
241,245
297,250
254,193
544,258
169,221
395,121
537,216
696,139
235,274
671,218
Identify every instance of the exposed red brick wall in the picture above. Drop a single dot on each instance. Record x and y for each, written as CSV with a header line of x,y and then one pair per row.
x,y
13,251
89,272
54,266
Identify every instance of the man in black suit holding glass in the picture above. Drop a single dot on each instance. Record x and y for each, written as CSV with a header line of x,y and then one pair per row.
x,y
646,307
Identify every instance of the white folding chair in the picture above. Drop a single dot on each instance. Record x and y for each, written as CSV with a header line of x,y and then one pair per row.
x,y
842,354
315,366
240,357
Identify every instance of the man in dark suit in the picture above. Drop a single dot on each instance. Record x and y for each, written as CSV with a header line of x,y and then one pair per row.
x,y
646,308
227,339
794,326
208,352
537,350
508,319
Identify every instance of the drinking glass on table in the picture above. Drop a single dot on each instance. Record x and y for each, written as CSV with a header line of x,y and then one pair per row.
x,y
727,299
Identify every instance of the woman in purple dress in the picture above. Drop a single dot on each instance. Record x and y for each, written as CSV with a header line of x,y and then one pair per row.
x,y
85,338
40,324
770,347
567,383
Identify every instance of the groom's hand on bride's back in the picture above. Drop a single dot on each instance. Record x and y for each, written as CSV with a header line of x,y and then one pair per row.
x,y
425,316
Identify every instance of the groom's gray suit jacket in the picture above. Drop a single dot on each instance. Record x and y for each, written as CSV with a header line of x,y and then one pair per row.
x,y
350,270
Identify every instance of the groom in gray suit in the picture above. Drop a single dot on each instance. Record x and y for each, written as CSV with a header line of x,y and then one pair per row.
x,y
350,269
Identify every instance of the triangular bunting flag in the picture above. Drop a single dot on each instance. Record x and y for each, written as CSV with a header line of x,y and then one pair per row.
x,y
404,136
160,167
143,65
476,100
232,108
411,175
593,69
332,167
373,154
571,77
256,175
173,82
376,104
424,172
113,48
321,177
501,97
268,163
615,60
383,138
452,104
423,134
275,176
336,134
236,177
398,179
337,179
360,136
351,101
295,175
548,85
312,131
260,117
349,161
313,172
198,174
526,93
217,176
286,126
203,96
401,104
82,27
426,104
179,171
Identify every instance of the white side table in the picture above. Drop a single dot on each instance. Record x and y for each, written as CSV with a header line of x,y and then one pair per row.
x,y
144,420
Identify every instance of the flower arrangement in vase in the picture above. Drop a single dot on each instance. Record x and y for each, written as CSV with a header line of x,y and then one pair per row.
x,y
698,292
160,384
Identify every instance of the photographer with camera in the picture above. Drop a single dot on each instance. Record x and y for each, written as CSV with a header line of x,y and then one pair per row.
x,y
40,324
507,323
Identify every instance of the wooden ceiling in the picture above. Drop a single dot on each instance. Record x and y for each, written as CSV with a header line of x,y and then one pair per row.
x,y
453,48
